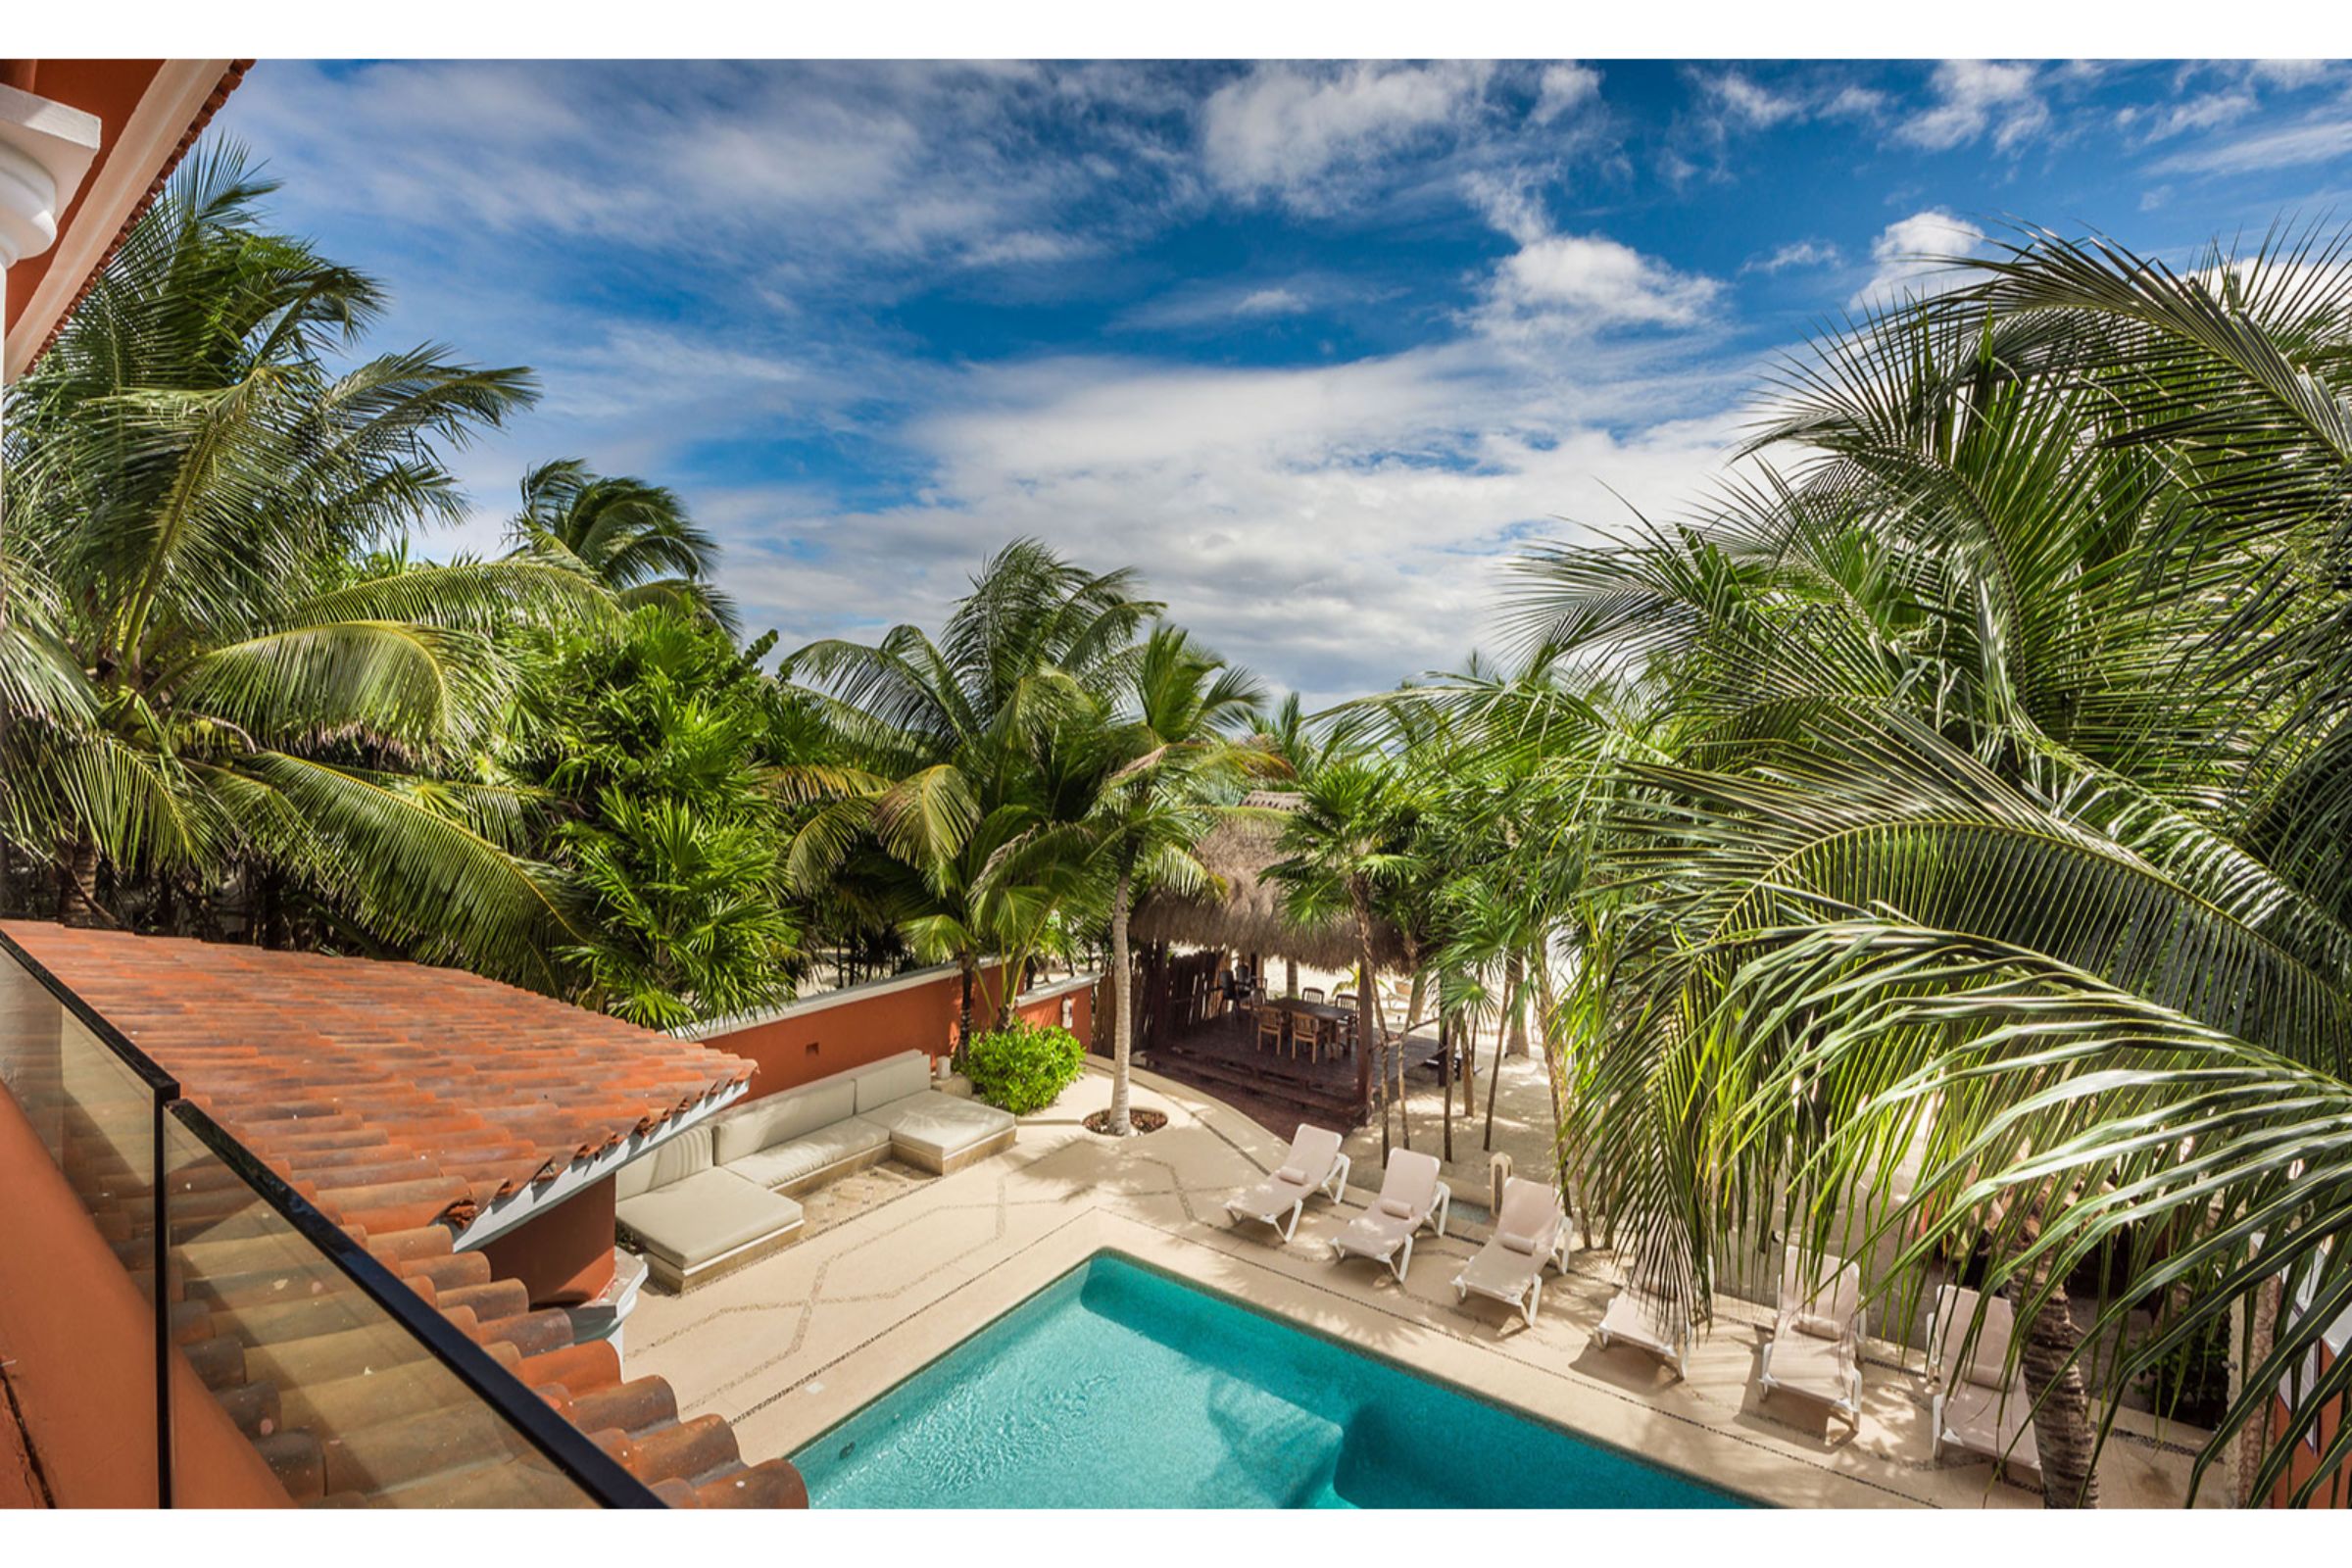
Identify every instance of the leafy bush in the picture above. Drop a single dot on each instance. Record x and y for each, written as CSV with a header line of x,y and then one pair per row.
x,y
1025,1067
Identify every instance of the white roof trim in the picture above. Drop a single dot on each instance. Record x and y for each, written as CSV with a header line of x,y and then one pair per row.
x,y
166,111
533,1199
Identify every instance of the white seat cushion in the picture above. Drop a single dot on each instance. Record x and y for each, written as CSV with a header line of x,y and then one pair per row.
x,y
892,1079
685,1155
930,1127
781,1164
688,1223
780,1118
1808,1365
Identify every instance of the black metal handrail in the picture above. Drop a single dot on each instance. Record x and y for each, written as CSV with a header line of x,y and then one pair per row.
x,y
566,1446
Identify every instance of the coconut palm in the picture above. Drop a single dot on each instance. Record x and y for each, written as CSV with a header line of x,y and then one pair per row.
x,y
1981,909
949,737
1167,753
1349,841
209,701
633,537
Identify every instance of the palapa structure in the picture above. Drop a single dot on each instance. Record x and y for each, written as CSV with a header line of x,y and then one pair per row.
x,y
1244,913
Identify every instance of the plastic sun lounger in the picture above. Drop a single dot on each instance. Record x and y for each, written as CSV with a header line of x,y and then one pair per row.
x,y
1410,1197
1529,1232
1315,1165
1978,1407
1648,1322
1816,1337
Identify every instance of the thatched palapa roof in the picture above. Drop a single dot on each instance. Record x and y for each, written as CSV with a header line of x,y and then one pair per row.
x,y
1248,917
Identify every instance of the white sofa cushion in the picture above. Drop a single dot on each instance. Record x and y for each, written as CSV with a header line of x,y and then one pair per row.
x,y
688,1223
682,1157
789,1161
931,1128
780,1118
892,1079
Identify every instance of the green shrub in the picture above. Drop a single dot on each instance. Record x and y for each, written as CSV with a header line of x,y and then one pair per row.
x,y
1025,1067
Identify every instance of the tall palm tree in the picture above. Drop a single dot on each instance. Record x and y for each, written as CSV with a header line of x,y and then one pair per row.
x,y
1167,753
203,690
1981,909
949,735
1349,839
633,537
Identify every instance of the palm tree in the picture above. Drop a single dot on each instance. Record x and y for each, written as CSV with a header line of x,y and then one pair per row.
x,y
1167,754
206,698
633,537
1348,839
1979,907
949,737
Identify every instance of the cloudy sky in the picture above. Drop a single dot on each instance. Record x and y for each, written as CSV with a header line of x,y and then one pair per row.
x,y
1314,346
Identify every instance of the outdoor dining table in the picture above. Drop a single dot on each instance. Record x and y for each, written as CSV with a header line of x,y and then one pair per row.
x,y
1300,1007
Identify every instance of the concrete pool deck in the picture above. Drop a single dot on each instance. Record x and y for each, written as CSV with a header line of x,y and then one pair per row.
x,y
792,1344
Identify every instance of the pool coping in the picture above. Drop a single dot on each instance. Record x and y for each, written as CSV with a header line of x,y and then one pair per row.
x,y
1394,1364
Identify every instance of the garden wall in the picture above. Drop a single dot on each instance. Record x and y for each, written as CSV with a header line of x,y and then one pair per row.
x,y
835,1031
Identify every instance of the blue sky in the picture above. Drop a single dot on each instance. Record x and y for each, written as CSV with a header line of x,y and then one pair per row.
x,y
1315,346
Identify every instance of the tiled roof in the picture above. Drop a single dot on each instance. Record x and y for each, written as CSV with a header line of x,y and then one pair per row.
x,y
398,1098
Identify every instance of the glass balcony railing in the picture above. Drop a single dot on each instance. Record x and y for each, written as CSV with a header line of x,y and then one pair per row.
x,y
254,1342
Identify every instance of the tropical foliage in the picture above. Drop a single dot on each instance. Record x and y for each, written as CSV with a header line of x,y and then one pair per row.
x,y
1024,1067
1977,893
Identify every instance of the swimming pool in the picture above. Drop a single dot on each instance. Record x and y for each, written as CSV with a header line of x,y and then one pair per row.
x,y
1118,1387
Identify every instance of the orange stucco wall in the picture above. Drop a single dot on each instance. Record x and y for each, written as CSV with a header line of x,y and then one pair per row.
x,y
564,1257
81,1338
828,1036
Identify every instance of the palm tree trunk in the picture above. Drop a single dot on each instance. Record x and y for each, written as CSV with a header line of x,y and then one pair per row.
x,y
76,897
1513,982
1514,976
2062,1430
1445,1078
2262,1302
1122,1026
967,964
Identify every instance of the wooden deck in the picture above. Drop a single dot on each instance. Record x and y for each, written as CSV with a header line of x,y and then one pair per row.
x,y
1222,1056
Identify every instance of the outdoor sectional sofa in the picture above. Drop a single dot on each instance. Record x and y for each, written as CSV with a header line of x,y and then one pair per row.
x,y
721,1195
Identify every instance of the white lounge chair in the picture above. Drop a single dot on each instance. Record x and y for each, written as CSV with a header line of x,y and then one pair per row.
x,y
1315,1165
1531,1231
1651,1322
1977,1408
1816,1348
1410,1197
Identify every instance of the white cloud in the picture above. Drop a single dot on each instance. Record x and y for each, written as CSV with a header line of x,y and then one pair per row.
x,y
1337,528
1796,252
2204,111
1270,302
1913,257
2311,141
1973,96
1562,87
1746,102
823,174
1285,132
1575,284
1587,282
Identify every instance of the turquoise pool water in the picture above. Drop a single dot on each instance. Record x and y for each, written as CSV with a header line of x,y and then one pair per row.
x,y
1116,1387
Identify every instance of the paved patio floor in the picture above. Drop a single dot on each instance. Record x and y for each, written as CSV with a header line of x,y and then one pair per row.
x,y
794,1344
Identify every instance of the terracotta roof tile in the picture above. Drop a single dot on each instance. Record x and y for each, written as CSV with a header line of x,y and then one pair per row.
x,y
397,1098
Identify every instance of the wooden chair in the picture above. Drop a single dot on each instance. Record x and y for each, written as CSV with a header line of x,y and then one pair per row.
x,y
1311,1027
1269,1029
1311,993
